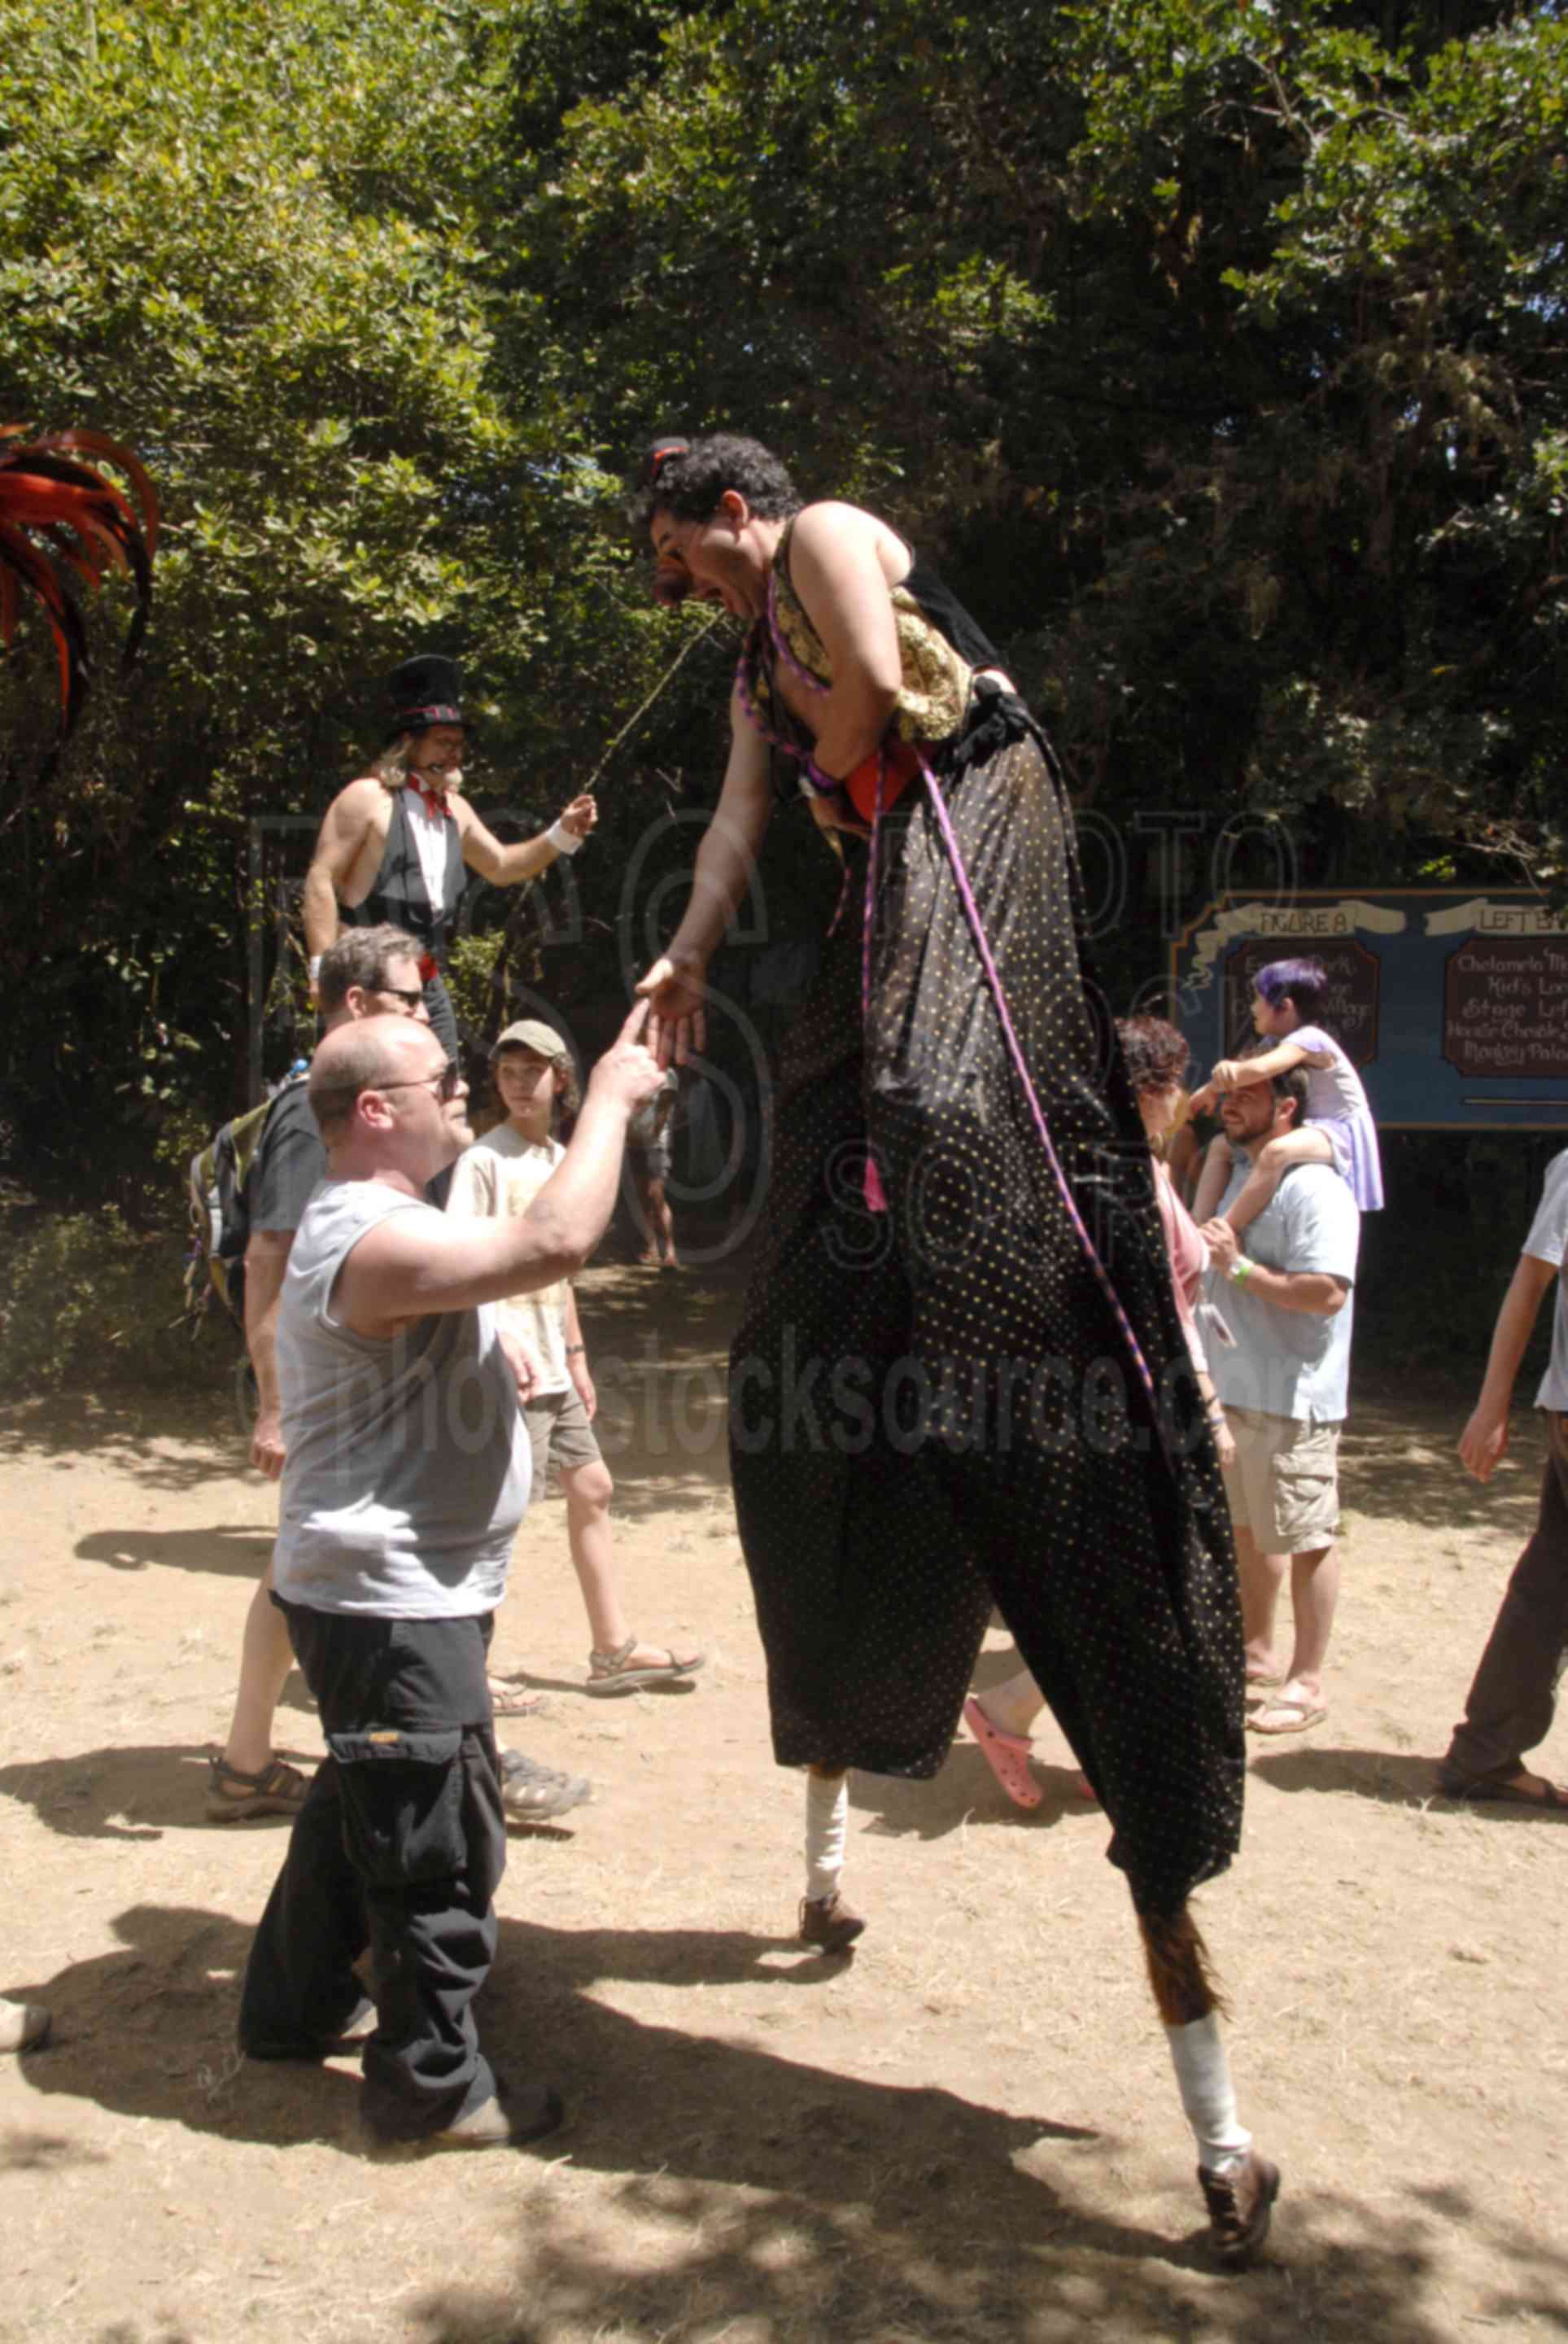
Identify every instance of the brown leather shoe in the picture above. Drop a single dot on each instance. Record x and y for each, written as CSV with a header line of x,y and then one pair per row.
x,y
1240,2204
828,1924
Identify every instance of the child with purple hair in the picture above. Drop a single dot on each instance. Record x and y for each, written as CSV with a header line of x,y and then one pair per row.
x,y
1339,1127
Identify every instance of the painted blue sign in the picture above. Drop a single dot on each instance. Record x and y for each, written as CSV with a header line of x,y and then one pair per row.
x,y
1452,1007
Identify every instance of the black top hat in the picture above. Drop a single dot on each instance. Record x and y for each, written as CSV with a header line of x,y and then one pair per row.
x,y
426,690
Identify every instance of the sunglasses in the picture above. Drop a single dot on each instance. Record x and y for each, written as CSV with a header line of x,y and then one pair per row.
x,y
448,1083
401,992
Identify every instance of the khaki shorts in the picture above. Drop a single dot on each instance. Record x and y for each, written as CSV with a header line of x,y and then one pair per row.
x,y
1284,1485
561,1432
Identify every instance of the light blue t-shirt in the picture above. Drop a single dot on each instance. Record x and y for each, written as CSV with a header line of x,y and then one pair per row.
x,y
1290,1362
1548,1241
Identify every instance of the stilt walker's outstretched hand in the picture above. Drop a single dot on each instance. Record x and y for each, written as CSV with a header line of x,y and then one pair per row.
x,y
677,1024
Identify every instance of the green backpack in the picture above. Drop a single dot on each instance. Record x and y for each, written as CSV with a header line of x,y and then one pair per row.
x,y
217,1184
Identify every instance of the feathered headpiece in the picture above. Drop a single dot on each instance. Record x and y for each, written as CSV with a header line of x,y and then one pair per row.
x,y
60,518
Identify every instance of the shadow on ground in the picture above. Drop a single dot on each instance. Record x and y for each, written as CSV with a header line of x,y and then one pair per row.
x,y
659,1349
60,1427
237,1550
1403,1462
1397,1780
757,2196
137,1791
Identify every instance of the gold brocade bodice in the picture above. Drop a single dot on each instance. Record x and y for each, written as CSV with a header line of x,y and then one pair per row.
x,y
935,688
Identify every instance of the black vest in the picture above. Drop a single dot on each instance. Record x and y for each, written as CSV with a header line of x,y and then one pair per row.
x,y
399,894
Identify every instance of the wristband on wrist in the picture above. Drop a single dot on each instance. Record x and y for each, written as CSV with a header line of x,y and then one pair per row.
x,y
564,840
315,966
1241,1269
573,1348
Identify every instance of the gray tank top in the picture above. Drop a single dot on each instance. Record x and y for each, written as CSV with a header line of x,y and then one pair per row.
x,y
407,1461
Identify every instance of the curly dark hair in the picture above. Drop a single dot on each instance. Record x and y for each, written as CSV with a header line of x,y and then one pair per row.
x,y
1155,1053
686,478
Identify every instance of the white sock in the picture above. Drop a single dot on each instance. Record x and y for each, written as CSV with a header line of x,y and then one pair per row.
x,y
1203,2076
826,1822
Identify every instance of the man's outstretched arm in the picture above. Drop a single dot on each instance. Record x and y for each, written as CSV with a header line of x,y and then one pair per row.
x,y
508,866
404,1269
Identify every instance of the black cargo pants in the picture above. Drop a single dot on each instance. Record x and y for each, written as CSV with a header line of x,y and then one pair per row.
x,y
400,1846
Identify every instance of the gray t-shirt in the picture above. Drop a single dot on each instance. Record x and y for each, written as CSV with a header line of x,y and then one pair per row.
x,y
1548,1241
407,1461
1290,1362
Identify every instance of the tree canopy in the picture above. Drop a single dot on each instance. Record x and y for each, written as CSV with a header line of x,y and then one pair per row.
x,y
1216,351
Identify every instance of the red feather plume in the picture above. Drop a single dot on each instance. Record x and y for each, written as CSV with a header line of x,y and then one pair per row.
x,y
60,518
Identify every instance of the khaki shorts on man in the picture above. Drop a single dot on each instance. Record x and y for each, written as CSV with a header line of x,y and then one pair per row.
x,y
1283,1484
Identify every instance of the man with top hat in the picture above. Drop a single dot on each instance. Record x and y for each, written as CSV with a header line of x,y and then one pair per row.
x,y
395,845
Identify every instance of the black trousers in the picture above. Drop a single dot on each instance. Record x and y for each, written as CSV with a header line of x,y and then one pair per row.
x,y
443,1016
399,1847
1511,1701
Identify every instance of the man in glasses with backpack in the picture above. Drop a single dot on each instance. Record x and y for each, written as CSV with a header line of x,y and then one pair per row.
x,y
367,973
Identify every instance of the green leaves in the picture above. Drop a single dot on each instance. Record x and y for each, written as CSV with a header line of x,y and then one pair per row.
x,y
1215,351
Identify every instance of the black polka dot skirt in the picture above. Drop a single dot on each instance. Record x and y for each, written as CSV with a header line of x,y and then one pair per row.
x,y
934,1407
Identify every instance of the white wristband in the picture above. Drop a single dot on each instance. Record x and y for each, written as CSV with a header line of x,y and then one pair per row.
x,y
564,840
315,966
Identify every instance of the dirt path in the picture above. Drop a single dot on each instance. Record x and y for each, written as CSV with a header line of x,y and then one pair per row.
x,y
969,2132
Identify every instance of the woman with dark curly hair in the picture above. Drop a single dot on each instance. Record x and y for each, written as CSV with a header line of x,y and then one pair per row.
x,y
953,1383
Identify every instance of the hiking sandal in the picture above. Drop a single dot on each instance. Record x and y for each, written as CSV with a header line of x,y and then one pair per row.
x,y
613,1673
279,1789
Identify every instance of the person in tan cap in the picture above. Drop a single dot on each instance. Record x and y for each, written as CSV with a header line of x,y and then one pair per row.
x,y
498,1177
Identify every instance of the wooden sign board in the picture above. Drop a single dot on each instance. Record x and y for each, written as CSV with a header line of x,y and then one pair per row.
x,y
1451,1006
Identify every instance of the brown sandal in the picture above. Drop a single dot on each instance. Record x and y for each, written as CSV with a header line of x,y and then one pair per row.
x,y
612,1672
509,1700
279,1789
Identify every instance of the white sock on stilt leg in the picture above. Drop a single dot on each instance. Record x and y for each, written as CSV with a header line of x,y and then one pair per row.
x,y
827,1823
1203,2076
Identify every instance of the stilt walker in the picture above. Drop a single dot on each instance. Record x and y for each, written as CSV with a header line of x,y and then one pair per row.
x,y
960,1376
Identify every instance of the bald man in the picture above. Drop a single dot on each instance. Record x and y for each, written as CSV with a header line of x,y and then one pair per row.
x,y
406,1474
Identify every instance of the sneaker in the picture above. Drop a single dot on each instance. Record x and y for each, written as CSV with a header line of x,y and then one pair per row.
x,y
510,2120
23,2025
829,1923
532,1793
1241,2205
235,1797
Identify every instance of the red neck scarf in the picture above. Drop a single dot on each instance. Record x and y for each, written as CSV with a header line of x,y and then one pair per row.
x,y
434,793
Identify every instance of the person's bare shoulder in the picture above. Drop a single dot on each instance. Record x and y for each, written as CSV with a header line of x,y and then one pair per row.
x,y
832,538
830,522
359,802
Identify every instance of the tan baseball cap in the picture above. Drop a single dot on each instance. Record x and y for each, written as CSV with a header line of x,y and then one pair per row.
x,y
531,1034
